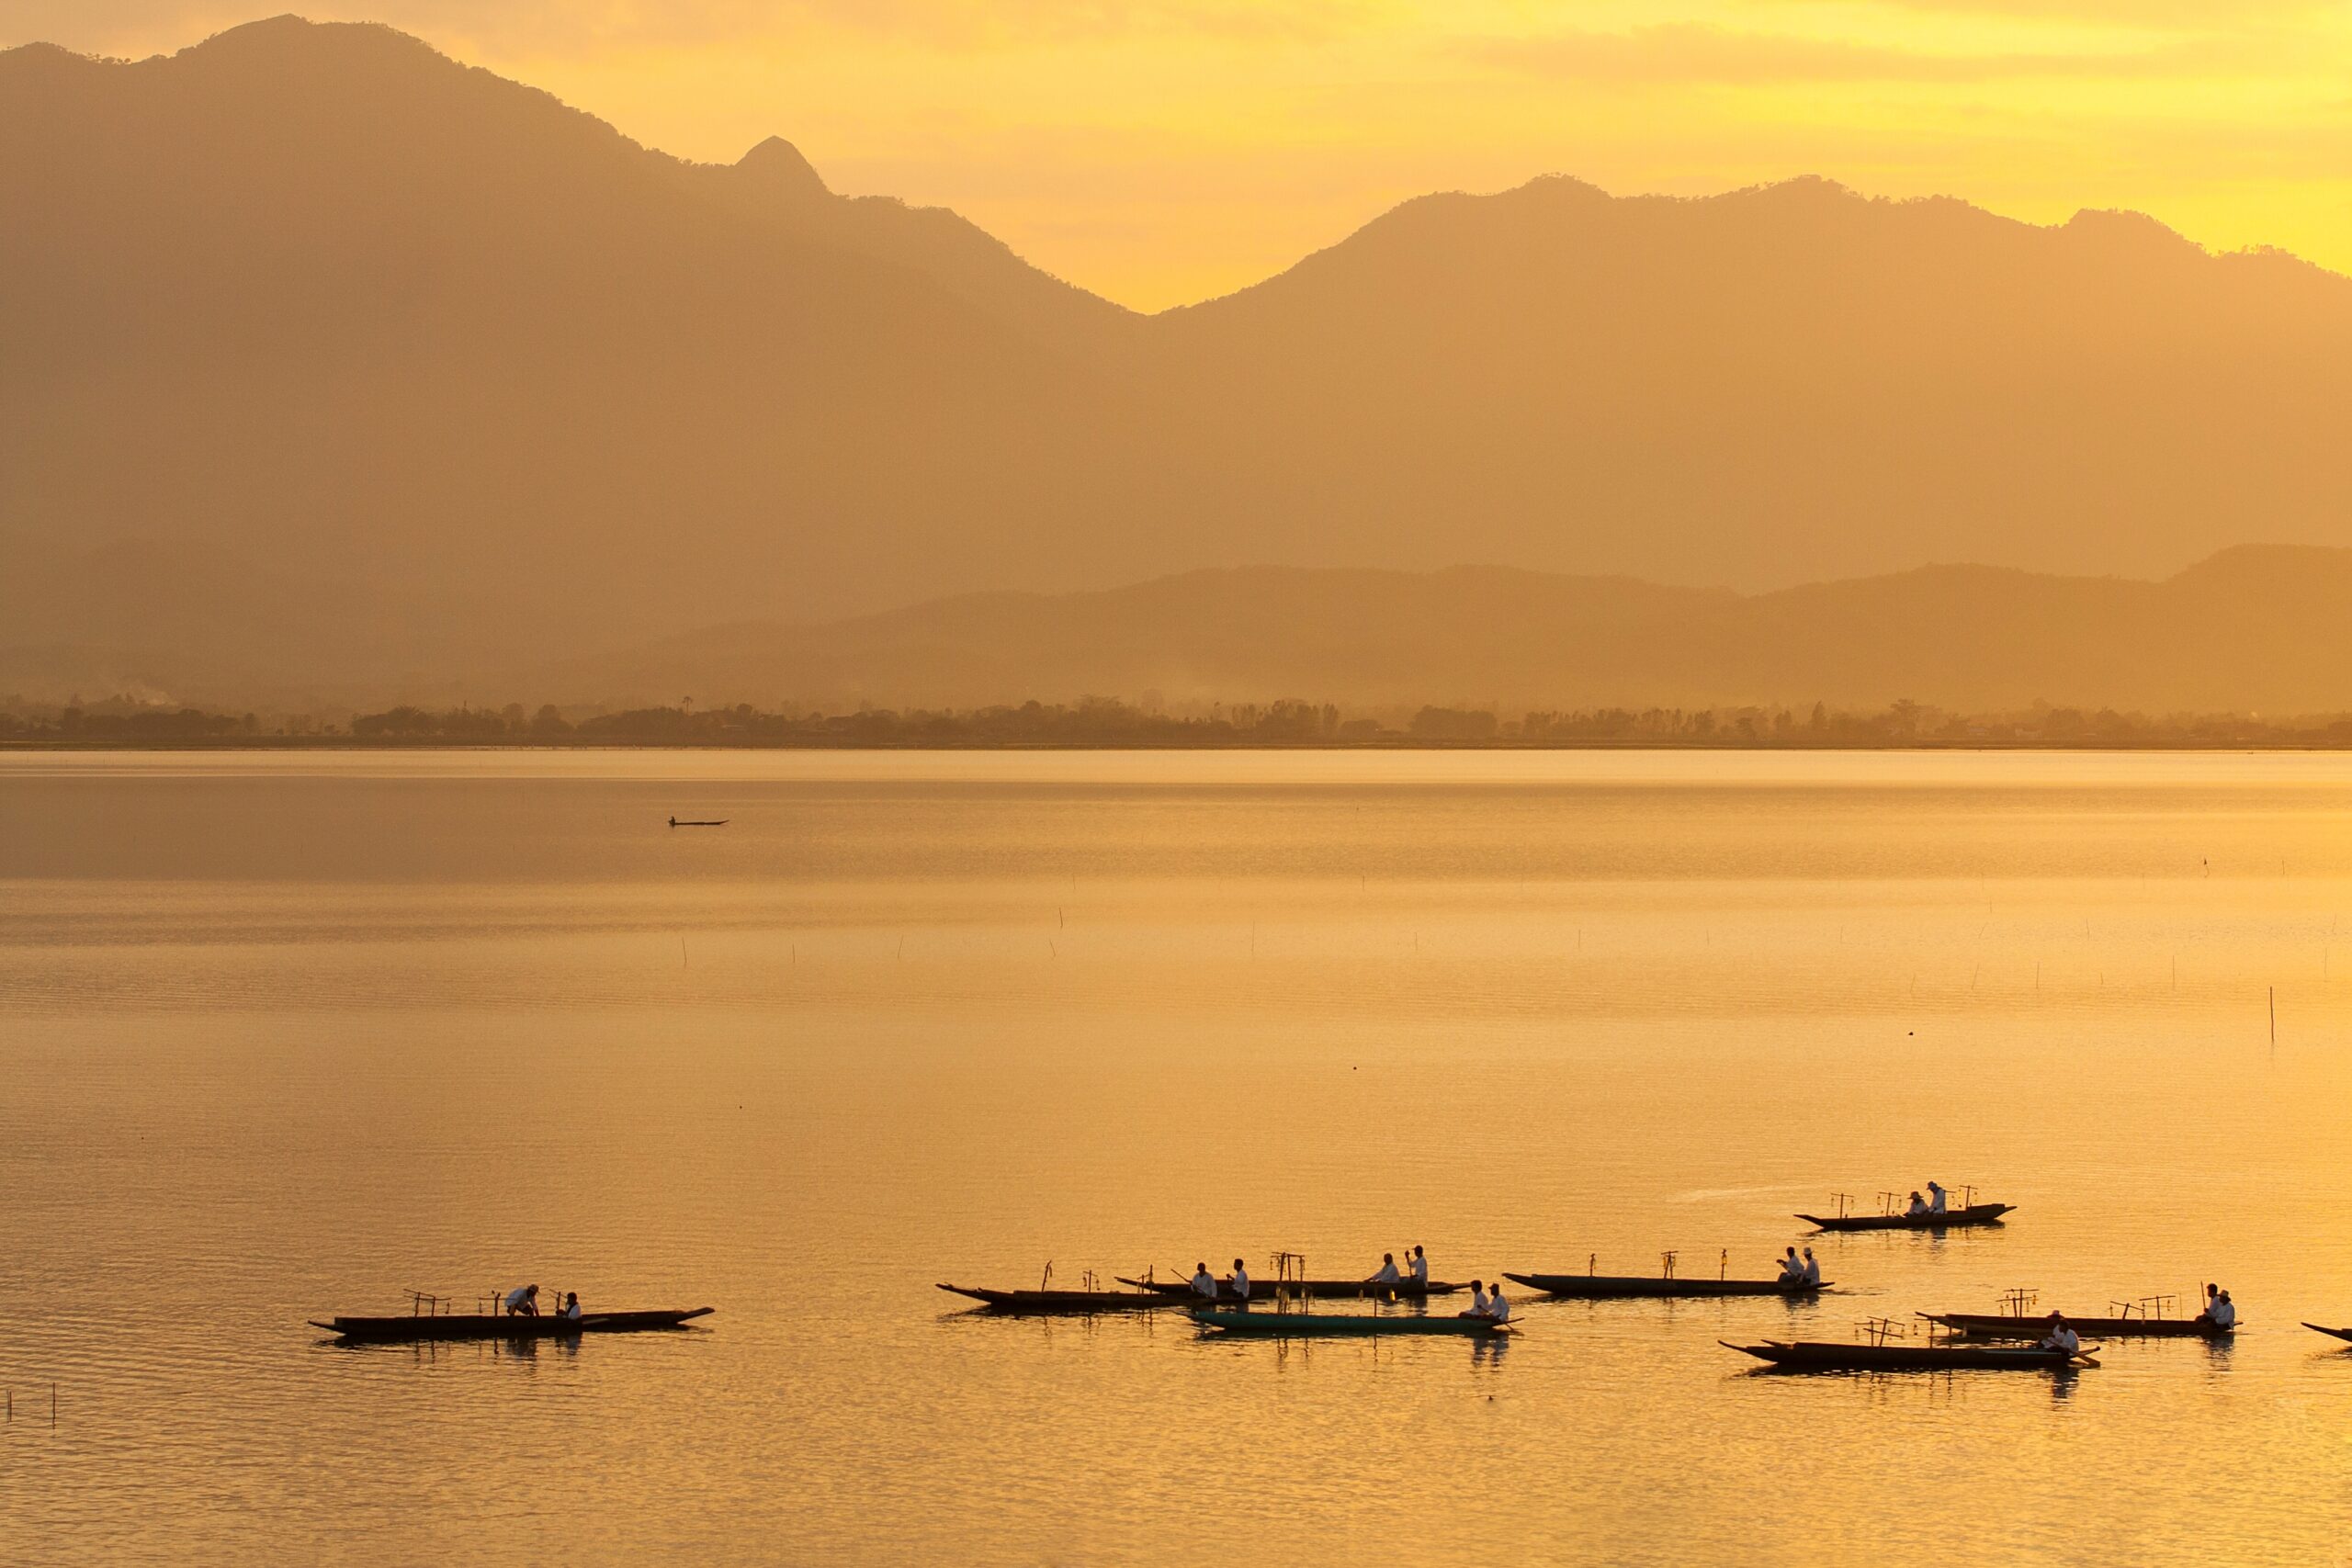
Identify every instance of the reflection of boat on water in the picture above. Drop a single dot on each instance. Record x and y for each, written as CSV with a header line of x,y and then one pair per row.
x,y
1291,1325
411,1327
1615,1287
1066,1301
712,822
1813,1355
1329,1290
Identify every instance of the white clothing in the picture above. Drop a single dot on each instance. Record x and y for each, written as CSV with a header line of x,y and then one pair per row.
x,y
1478,1301
2063,1339
1792,1271
1935,1199
1498,1308
1811,1273
1420,1267
572,1312
1241,1283
2222,1314
1919,1207
1387,1275
517,1297
1204,1284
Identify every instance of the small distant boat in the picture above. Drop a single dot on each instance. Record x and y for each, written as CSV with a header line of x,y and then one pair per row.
x,y
1322,1290
1328,1323
1974,1214
2331,1333
410,1326
1615,1287
1064,1301
2004,1325
714,822
1818,1357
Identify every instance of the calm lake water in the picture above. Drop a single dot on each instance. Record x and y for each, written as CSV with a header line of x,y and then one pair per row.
x,y
282,1036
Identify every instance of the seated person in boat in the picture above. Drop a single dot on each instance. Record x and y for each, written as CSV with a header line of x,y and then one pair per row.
x,y
1420,1268
2061,1337
2219,1310
1203,1282
1239,1283
1936,1196
1386,1274
1919,1208
1497,1307
1477,1299
1810,1274
1792,1268
523,1301
571,1306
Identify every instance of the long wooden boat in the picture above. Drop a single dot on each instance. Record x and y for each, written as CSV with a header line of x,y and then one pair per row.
x,y
409,1326
1815,1356
1287,1324
1974,1214
1613,1287
2001,1325
1322,1290
1065,1300
2331,1333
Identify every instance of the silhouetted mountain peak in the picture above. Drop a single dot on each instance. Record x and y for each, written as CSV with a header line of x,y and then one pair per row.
x,y
291,39
779,166
2132,230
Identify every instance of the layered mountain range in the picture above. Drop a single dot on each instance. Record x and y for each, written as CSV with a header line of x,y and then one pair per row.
x,y
329,364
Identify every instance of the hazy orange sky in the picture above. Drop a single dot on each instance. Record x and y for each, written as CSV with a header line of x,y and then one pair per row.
x,y
1163,150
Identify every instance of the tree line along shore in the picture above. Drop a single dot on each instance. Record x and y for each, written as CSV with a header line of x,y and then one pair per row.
x,y
125,723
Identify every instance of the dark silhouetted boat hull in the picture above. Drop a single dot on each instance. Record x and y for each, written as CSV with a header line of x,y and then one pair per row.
x,y
1333,1324
1808,1355
1996,1325
1321,1289
1065,1300
1974,1214
412,1328
1616,1287
2331,1333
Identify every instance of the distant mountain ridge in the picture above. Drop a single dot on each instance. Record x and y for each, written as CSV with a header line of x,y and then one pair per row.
x,y
443,378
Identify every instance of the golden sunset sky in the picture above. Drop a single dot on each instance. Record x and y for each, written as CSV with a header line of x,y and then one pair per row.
x,y
1165,151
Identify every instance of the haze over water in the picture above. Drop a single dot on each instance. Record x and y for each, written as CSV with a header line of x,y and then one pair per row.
x,y
287,1035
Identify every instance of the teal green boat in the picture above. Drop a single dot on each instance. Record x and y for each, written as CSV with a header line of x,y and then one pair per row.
x,y
1272,1323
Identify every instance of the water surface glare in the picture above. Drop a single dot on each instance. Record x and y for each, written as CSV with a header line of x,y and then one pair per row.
x,y
287,1035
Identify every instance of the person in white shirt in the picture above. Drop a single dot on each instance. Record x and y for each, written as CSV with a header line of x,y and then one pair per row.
x,y
1811,1273
1936,1196
1497,1307
2061,1337
1477,1299
1239,1283
523,1301
1919,1208
1386,1274
1203,1282
1420,1268
2219,1310
571,1306
1792,1271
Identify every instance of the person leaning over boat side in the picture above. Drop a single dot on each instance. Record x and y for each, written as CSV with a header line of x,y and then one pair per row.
x,y
2061,1337
1810,1275
523,1301
1419,1270
1919,1208
571,1306
1239,1283
1386,1274
1936,1196
1203,1282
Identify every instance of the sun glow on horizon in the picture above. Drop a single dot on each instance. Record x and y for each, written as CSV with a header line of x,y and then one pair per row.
x,y
1165,151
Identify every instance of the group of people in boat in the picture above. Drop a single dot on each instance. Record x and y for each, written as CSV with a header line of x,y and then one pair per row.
x,y
1936,1202
523,1301
1800,1273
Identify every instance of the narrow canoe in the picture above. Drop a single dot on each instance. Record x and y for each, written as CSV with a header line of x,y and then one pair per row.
x,y
1974,1214
408,1327
1998,1325
1335,1323
1065,1300
2331,1333
1612,1287
1813,1355
1322,1290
